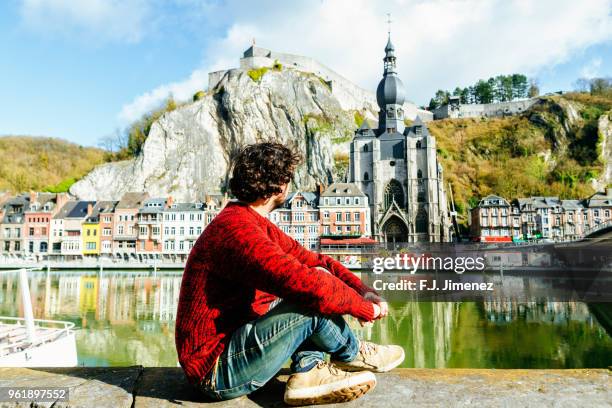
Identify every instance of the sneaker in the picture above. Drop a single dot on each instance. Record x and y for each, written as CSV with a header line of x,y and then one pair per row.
x,y
374,357
327,384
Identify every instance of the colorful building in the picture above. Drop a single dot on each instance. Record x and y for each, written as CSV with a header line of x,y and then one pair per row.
x,y
344,211
149,227
124,222
299,218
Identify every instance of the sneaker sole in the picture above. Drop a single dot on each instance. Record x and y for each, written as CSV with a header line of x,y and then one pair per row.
x,y
346,367
326,394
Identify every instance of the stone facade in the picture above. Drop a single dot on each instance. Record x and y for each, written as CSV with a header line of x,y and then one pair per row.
x,y
455,110
398,170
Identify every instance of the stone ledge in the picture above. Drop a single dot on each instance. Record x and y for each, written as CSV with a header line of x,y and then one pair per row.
x,y
136,386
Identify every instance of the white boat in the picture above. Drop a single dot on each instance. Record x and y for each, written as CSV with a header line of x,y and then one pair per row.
x,y
29,342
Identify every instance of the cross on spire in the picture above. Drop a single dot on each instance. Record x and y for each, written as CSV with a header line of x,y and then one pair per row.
x,y
389,21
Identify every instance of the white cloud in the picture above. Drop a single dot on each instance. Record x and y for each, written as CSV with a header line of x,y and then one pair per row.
x,y
114,20
591,70
440,44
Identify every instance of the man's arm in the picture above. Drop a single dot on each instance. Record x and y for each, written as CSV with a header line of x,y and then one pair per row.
x,y
264,264
313,259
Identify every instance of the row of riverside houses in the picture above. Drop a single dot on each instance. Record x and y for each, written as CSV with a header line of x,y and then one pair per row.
x,y
547,218
139,227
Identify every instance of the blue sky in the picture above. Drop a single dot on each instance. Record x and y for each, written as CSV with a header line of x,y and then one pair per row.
x,y
84,70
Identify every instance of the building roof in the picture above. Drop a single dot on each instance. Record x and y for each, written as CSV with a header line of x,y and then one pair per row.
x,y
65,210
80,209
493,201
132,200
571,204
153,205
179,207
101,207
41,199
20,204
413,129
310,197
600,199
343,190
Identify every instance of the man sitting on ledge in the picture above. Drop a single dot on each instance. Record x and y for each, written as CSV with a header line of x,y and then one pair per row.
x,y
233,331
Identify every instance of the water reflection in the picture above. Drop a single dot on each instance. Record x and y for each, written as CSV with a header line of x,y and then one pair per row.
x,y
126,318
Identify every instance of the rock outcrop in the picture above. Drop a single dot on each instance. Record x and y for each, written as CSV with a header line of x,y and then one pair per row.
x,y
189,151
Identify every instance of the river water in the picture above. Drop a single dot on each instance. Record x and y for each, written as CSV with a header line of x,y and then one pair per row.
x,y
127,318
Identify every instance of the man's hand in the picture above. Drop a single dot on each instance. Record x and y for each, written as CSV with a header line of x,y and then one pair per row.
x,y
376,314
377,300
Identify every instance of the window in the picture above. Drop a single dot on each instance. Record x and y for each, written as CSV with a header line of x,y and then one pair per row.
x,y
357,216
394,192
366,176
44,230
299,203
419,173
365,147
191,230
338,217
326,229
356,200
91,246
326,215
31,231
347,216
143,230
182,231
155,230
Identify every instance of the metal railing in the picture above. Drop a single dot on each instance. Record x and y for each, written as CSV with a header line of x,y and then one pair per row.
x,y
44,331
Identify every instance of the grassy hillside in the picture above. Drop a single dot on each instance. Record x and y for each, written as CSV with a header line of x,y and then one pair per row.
x,y
43,163
542,152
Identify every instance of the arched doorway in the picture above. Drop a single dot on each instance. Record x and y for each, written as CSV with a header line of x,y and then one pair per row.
x,y
395,231
394,191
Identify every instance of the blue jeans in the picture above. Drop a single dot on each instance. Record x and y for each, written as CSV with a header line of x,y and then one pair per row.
x,y
259,349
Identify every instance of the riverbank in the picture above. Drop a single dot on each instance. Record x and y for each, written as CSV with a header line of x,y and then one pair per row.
x,y
136,386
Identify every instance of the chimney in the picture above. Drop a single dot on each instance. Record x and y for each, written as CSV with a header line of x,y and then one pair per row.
x,y
89,208
60,200
169,201
32,197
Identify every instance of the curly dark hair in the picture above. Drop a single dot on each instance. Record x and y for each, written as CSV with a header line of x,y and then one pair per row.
x,y
260,170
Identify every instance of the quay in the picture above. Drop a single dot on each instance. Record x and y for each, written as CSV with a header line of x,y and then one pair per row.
x,y
141,387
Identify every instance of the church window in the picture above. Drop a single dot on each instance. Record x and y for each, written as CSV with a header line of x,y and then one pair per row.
x,y
418,144
394,191
419,173
391,163
366,176
421,221
365,147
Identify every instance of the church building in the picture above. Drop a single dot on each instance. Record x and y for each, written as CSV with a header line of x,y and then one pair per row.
x,y
397,167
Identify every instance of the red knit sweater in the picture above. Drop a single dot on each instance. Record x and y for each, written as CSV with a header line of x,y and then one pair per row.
x,y
237,267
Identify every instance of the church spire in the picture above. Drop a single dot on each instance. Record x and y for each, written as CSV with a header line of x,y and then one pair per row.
x,y
389,60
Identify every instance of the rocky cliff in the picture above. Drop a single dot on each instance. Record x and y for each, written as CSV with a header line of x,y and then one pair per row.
x,y
188,151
